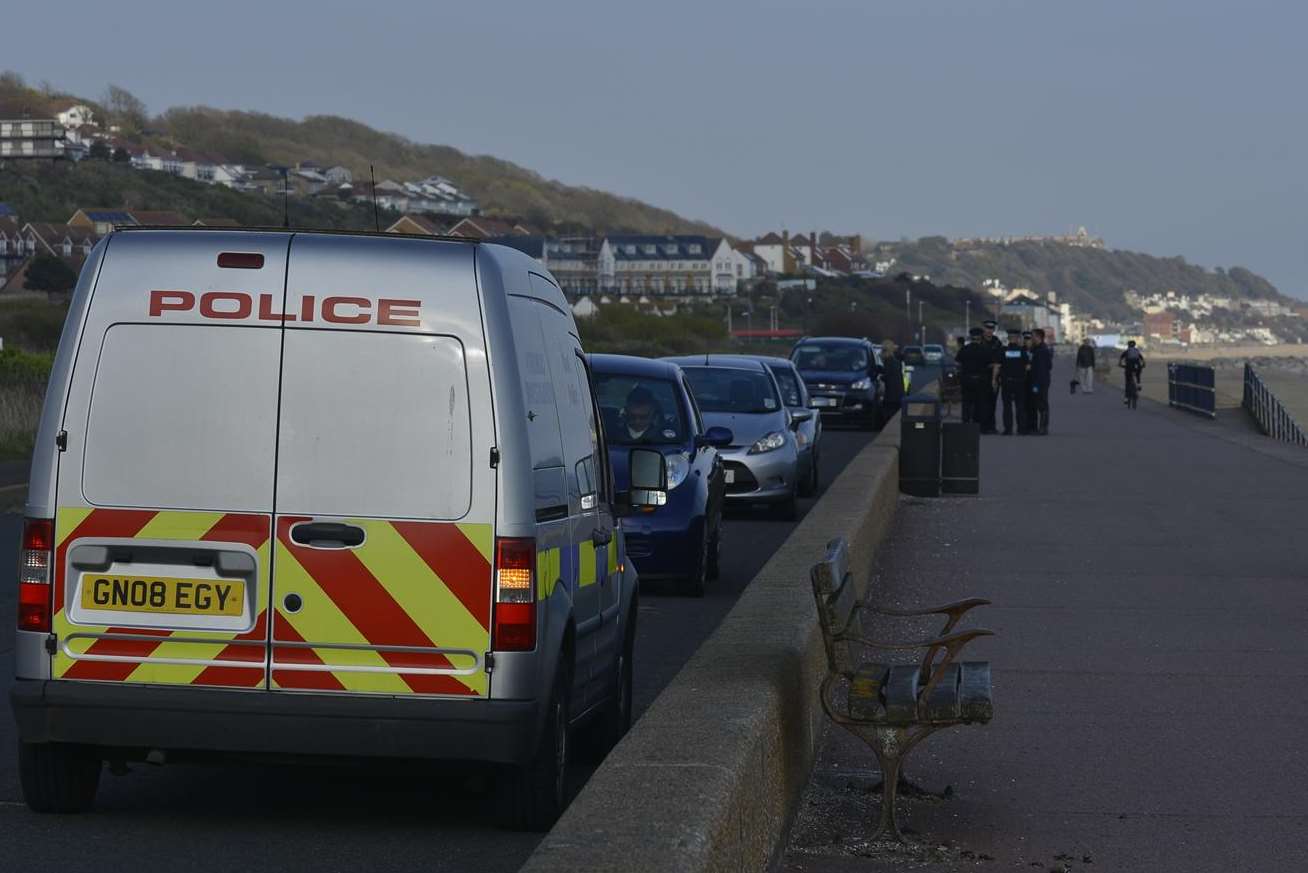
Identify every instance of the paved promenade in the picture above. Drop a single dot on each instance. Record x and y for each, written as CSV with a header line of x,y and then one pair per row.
x,y
1150,578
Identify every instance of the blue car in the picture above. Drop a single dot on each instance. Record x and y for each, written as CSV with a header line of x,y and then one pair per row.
x,y
843,377
647,403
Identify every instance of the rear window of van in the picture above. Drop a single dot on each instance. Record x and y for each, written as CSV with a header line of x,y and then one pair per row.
x,y
375,425
183,417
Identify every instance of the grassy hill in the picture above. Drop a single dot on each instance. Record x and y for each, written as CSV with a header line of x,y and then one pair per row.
x,y
499,186
42,191
1093,280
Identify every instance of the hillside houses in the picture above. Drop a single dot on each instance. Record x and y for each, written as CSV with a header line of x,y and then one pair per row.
x,y
73,240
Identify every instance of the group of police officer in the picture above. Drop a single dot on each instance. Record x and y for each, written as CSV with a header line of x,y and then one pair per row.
x,y
1018,372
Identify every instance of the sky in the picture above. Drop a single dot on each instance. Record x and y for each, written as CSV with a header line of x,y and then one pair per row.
x,y
1174,128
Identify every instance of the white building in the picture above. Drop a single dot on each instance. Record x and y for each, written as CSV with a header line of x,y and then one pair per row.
x,y
76,115
585,308
665,265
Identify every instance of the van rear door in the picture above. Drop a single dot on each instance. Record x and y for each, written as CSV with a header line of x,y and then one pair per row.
x,y
384,519
164,491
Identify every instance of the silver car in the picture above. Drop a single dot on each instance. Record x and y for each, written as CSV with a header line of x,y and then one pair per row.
x,y
762,462
807,428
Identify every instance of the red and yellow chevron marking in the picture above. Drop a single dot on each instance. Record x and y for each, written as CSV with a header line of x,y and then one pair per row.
x,y
372,617
113,654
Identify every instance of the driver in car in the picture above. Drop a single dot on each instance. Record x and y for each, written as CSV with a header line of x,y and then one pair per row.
x,y
640,414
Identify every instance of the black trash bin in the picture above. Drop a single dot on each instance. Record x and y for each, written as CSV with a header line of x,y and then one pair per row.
x,y
960,457
919,446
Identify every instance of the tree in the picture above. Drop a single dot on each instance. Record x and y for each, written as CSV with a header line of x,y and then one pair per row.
x,y
125,109
99,151
121,156
49,274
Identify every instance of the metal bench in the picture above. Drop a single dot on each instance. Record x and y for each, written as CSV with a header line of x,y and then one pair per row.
x,y
893,707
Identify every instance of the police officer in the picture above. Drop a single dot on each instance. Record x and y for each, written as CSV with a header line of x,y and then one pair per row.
x,y
1012,383
996,348
1042,366
1028,403
975,372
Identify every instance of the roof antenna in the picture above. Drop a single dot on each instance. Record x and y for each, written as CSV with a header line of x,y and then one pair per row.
x,y
286,198
376,219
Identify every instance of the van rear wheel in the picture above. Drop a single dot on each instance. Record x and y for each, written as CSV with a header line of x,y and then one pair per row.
x,y
58,777
533,795
614,723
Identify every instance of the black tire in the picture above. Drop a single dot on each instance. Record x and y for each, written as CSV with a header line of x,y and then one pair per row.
x,y
534,794
695,584
715,551
615,721
808,487
57,777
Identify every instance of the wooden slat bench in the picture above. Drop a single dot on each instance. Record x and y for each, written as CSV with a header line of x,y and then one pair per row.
x,y
893,707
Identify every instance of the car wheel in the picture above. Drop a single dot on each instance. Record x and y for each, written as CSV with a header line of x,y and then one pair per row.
x,y
614,723
715,551
533,795
804,484
57,777
694,584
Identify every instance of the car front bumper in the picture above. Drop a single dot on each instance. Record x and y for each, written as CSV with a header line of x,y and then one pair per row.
x,y
660,550
144,717
769,477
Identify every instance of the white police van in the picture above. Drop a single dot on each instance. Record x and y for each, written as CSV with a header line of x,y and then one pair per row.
x,y
323,494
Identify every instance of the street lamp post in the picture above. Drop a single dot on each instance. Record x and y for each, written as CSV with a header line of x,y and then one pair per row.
x,y
967,317
921,324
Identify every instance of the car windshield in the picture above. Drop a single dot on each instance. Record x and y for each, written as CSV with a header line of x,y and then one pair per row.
x,y
730,389
789,384
639,411
844,357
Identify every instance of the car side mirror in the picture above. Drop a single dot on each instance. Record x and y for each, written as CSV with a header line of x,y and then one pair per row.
x,y
718,437
798,416
649,481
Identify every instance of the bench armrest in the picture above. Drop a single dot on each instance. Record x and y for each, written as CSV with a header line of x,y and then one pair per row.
x,y
955,611
952,642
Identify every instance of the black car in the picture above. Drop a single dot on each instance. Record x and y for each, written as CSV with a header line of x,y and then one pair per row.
x,y
843,377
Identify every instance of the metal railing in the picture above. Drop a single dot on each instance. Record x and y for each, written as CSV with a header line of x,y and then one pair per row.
x,y
1192,387
1273,418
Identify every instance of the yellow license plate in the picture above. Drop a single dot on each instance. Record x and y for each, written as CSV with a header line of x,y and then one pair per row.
x,y
165,594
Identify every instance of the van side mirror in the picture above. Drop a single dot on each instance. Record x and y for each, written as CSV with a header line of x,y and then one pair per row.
x,y
718,437
649,481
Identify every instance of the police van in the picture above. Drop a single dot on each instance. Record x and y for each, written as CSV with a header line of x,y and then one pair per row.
x,y
322,494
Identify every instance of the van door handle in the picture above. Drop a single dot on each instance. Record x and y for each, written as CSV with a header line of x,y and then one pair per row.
x,y
327,535
601,536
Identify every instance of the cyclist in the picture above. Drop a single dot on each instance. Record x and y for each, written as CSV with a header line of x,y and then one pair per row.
x,y
1133,362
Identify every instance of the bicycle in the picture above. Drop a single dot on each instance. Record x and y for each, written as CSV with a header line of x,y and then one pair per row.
x,y
1132,399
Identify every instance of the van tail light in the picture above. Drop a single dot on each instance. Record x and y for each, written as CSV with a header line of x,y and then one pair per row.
x,y
35,558
514,625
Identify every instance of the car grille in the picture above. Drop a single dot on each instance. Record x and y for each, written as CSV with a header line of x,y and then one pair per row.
x,y
744,479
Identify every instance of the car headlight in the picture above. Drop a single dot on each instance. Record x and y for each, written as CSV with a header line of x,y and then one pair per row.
x,y
861,385
678,469
769,443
